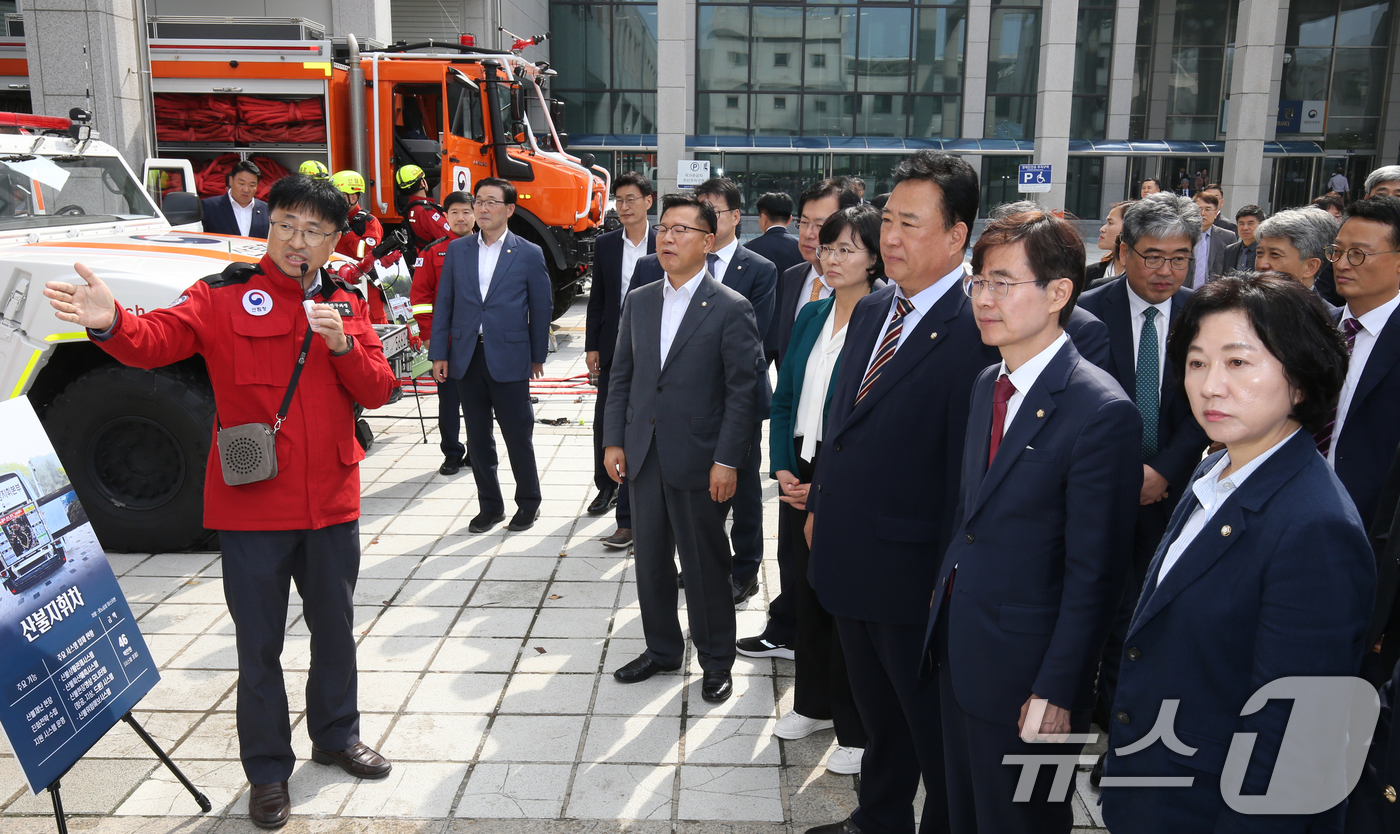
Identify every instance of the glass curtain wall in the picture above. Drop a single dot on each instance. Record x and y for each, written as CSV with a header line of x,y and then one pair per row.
x,y
1013,69
606,57
1336,51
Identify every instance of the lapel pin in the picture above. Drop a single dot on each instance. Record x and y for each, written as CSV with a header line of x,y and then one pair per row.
x,y
704,304
1040,412
507,251
1225,531
933,335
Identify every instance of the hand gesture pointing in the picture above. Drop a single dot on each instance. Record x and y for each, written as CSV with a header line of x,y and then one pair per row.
x,y
89,304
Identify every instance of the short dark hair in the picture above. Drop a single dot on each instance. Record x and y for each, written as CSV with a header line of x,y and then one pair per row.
x,y
243,166
880,200
864,223
833,187
1380,210
507,189
318,196
1054,249
707,212
634,179
1213,186
777,205
1152,180
721,187
1251,211
1329,201
455,198
955,179
1293,323
1209,198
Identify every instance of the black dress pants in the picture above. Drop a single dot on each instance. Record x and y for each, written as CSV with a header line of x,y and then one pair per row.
x,y
600,474
511,402
259,567
450,420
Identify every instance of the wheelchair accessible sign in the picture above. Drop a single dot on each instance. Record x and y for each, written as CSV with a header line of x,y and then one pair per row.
x,y
1033,179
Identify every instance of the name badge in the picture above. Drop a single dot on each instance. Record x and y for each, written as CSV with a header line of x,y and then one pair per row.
x,y
343,308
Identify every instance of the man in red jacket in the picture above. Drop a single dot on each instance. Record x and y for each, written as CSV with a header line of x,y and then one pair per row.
x,y
249,324
426,271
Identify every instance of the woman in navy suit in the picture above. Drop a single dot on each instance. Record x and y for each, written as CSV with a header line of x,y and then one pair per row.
x,y
1265,571
850,253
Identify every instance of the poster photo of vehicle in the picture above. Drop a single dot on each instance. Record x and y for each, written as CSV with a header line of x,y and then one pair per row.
x,y
72,660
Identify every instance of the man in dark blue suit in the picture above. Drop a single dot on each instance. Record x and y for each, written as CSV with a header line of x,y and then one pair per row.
x,y
1158,236
1361,443
803,282
778,245
1033,576
615,256
491,334
238,212
885,489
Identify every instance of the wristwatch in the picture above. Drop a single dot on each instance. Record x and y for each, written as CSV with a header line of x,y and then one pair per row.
x,y
349,345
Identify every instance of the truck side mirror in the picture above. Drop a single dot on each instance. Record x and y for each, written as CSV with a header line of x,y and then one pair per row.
x,y
182,207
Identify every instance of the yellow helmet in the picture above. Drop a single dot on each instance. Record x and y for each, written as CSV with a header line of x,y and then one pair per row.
x,y
349,181
408,176
314,169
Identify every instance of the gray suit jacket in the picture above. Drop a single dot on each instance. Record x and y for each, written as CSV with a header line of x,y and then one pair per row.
x,y
700,405
1220,239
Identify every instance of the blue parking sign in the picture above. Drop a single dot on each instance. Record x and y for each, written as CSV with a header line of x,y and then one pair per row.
x,y
1032,179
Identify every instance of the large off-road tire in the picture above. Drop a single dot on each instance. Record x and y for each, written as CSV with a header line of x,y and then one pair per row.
x,y
565,291
135,444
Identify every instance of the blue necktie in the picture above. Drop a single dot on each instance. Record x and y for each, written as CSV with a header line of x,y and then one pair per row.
x,y
1149,393
710,260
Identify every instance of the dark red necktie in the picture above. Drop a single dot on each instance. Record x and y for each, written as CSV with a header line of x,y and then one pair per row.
x,y
1000,396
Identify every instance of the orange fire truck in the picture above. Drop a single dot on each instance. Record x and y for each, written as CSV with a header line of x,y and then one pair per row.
x,y
458,111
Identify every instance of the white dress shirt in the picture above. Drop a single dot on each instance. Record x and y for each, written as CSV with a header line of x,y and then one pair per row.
x,y
1137,305
1025,376
1211,490
726,256
923,301
674,303
815,381
806,294
631,253
242,214
486,258
1372,324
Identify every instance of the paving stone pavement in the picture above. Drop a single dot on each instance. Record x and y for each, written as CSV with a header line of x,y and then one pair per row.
x,y
485,674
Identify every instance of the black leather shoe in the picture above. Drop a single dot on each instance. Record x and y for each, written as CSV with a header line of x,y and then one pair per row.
x,y
640,669
680,580
357,760
269,805
716,687
450,466
745,590
1096,774
485,521
523,520
845,826
606,500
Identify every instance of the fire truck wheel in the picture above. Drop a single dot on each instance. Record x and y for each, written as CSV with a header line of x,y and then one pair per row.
x,y
135,444
563,296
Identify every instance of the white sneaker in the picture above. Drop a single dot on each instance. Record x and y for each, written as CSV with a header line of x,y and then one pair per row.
x,y
794,725
845,760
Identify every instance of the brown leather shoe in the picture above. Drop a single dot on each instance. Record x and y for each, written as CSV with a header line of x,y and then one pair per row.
x,y
621,537
269,805
357,760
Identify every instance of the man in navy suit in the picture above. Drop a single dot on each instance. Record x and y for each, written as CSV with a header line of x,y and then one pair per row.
x,y
615,256
1033,576
1361,443
1158,236
491,334
778,245
884,493
238,212
803,282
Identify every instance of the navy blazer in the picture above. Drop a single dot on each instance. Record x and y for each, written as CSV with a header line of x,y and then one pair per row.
x,y
513,318
753,277
779,246
219,219
1370,809
1278,583
605,294
785,311
1037,541
1180,439
782,421
886,483
1371,431
1090,337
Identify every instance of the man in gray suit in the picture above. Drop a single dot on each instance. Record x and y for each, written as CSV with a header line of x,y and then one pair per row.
x,y
491,335
1208,258
680,416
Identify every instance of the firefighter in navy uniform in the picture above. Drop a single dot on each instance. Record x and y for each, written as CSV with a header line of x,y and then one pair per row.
x,y
427,269
426,220
249,324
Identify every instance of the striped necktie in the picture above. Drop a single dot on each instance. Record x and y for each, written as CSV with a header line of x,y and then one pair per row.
x,y
1324,438
887,346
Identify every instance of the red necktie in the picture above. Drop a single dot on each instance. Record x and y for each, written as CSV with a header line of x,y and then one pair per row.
x,y
1000,395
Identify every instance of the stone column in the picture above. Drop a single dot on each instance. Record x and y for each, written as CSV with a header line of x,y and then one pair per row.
x,y
1161,74
1251,117
675,87
1120,100
1059,25
975,49
364,19
87,55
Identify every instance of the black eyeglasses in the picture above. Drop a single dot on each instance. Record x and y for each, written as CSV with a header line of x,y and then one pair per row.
x,y
1355,257
677,229
1179,263
286,231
